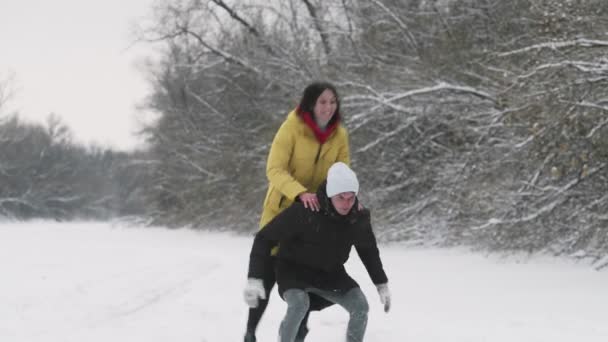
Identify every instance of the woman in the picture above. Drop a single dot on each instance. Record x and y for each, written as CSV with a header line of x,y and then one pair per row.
x,y
309,141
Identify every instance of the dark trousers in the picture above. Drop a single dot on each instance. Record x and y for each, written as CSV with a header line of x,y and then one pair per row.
x,y
255,314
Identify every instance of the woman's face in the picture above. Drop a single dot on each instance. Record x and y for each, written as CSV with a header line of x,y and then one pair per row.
x,y
325,107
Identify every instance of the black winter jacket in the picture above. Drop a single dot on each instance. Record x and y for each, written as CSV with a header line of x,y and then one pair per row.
x,y
313,247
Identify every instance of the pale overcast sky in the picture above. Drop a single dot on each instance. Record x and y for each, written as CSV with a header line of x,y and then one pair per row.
x,y
72,57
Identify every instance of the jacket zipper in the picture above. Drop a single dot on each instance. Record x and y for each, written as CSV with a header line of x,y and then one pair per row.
x,y
318,153
314,169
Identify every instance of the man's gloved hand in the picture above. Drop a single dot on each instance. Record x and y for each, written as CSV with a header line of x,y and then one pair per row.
x,y
385,296
254,291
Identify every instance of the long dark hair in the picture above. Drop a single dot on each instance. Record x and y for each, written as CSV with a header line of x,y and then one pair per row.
x,y
312,93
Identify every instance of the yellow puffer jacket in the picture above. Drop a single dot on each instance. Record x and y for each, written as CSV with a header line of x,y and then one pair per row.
x,y
298,163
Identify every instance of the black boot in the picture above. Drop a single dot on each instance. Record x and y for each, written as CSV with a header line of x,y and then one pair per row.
x,y
250,337
302,332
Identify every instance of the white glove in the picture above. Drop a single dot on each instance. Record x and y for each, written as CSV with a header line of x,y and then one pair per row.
x,y
254,291
385,296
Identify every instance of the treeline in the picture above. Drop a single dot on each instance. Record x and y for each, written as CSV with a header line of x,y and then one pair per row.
x,y
44,174
477,122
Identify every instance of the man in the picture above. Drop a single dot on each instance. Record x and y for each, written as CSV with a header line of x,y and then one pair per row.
x,y
314,245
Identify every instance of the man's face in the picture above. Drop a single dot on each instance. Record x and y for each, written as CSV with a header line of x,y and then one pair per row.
x,y
343,202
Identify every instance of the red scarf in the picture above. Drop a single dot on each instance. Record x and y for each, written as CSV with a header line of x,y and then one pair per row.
x,y
321,135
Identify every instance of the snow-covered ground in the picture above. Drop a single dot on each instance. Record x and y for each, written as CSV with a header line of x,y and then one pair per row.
x,y
101,282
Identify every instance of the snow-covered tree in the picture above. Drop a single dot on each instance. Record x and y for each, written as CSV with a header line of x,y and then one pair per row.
x,y
481,122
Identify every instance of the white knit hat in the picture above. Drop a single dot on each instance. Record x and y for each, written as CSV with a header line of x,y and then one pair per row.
x,y
340,178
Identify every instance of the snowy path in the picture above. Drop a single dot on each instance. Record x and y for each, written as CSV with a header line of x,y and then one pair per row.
x,y
97,282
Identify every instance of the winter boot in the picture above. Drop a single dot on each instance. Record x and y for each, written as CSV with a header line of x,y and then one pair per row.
x,y
302,332
250,337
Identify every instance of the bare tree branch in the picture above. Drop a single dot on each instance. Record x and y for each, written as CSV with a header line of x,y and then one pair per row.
x,y
404,28
227,56
318,25
251,29
582,42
